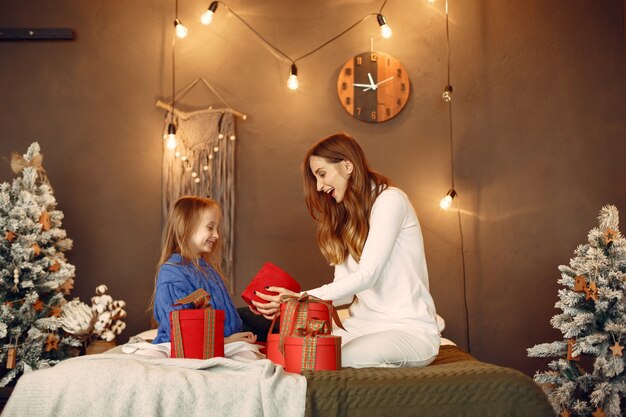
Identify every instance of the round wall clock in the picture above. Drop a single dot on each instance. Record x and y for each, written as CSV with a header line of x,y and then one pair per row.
x,y
373,87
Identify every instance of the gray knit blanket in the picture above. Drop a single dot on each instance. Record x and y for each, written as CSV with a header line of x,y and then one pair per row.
x,y
128,385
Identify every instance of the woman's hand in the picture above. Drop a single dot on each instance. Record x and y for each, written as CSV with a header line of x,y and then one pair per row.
x,y
248,337
270,309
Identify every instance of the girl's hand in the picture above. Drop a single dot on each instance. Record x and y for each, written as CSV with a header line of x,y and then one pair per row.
x,y
270,309
248,337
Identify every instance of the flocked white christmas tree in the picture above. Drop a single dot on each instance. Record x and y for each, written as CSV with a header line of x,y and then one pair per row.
x,y
593,323
34,273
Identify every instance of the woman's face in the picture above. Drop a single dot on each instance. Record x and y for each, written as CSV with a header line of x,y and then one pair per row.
x,y
331,178
205,237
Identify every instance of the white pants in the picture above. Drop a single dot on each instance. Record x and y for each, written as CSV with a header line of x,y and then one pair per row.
x,y
387,348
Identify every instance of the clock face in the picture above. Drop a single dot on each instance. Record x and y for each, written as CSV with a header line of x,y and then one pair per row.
x,y
373,87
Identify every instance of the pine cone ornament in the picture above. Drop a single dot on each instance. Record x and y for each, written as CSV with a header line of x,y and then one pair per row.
x,y
78,319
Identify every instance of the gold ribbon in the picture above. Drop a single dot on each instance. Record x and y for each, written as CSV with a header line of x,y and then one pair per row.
x,y
18,163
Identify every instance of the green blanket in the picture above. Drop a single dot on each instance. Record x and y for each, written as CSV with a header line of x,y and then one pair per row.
x,y
455,385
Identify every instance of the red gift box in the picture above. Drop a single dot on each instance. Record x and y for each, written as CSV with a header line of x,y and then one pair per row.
x,y
295,312
268,276
273,351
311,310
197,333
312,349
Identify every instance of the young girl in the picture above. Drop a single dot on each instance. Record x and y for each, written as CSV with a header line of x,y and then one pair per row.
x,y
190,260
369,231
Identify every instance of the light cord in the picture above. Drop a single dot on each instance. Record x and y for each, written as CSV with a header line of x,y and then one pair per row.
x,y
283,54
465,304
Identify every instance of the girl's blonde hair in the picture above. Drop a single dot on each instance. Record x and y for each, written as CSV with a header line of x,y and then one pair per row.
x,y
342,228
183,221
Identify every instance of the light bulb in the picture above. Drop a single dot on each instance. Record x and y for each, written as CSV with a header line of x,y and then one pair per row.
x,y
181,30
216,148
232,137
446,202
194,175
220,136
206,167
292,81
171,136
207,17
385,30
447,94
197,180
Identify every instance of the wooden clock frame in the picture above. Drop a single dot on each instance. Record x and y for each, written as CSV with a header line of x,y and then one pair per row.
x,y
356,82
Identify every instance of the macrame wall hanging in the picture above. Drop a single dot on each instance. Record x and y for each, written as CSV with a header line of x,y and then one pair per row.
x,y
203,164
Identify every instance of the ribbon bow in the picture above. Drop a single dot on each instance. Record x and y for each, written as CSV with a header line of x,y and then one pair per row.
x,y
18,163
313,328
200,299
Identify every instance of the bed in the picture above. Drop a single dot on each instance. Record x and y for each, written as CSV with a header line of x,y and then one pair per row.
x,y
455,384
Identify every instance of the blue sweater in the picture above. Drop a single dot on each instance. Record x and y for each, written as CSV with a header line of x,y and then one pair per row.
x,y
176,280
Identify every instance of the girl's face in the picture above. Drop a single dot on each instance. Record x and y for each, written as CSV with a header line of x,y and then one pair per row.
x,y
205,237
332,178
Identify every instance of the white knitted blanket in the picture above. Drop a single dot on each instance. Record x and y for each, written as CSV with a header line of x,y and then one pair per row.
x,y
128,385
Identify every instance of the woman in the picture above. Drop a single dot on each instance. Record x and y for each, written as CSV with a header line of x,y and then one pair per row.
x,y
369,231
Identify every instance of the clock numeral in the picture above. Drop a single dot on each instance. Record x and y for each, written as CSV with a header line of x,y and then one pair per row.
x,y
373,57
344,86
348,101
399,102
348,71
358,111
388,111
359,60
399,72
373,115
402,87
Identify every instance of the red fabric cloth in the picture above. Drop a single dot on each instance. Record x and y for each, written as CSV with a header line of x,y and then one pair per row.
x,y
268,276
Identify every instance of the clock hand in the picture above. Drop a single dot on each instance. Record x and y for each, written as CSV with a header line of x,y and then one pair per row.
x,y
372,83
362,85
384,81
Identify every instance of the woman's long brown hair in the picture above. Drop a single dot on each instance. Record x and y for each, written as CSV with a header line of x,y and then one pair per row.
x,y
183,221
342,228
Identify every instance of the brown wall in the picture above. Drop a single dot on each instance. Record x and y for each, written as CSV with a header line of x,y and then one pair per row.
x,y
539,136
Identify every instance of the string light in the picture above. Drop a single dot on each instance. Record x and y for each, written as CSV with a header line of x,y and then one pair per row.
x,y
446,201
447,93
385,30
207,17
181,30
171,141
292,81
171,136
